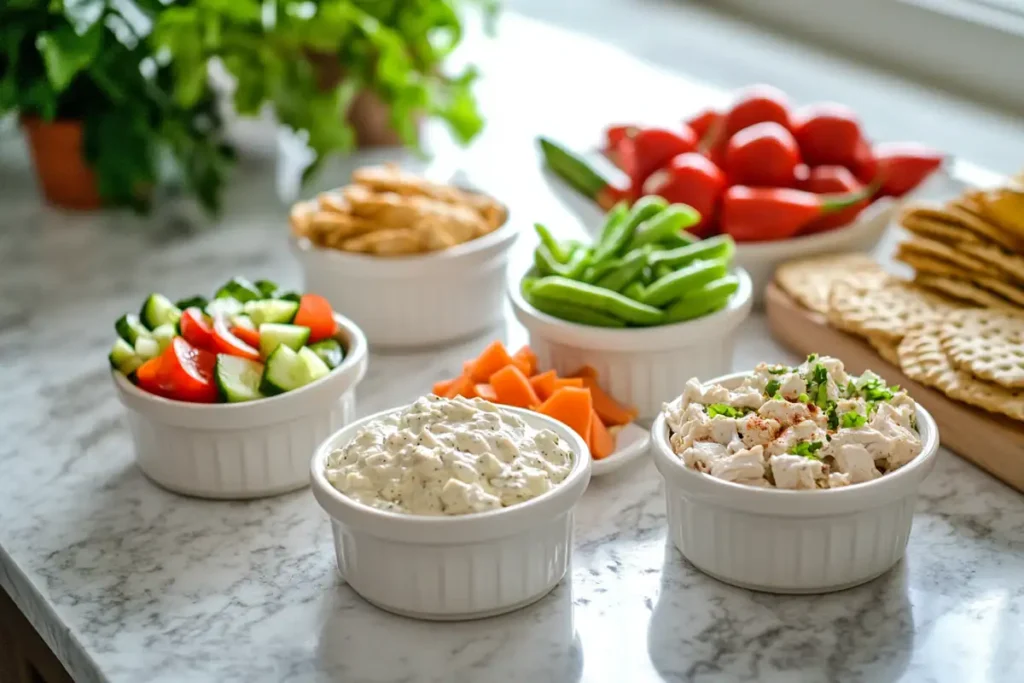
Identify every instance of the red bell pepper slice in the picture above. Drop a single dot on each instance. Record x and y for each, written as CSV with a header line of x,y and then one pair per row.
x,y
225,341
196,329
187,372
250,337
315,312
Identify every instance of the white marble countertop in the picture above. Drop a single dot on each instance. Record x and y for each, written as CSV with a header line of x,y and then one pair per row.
x,y
129,583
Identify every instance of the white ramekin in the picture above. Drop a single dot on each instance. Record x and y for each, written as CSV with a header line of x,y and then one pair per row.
x,y
459,567
782,541
760,259
411,301
243,450
645,366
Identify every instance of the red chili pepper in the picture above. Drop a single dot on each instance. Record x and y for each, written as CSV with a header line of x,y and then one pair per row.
x,y
902,166
614,134
611,195
691,179
702,122
655,147
757,104
754,214
196,328
865,165
828,134
832,180
764,155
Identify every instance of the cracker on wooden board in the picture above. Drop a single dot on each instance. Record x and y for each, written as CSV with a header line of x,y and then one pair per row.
x,y
923,263
959,220
886,311
987,344
963,290
885,348
922,359
809,280
1003,262
1008,290
927,247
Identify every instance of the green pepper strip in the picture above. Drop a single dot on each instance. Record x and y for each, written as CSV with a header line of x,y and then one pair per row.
x,y
664,225
615,242
595,298
574,314
720,246
677,284
700,302
547,239
633,264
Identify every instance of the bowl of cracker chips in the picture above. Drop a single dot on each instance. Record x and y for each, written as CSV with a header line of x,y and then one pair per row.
x,y
412,262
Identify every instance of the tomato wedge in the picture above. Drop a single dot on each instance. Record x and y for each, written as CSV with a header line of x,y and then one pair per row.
x,y
224,341
150,378
315,312
187,372
196,329
250,337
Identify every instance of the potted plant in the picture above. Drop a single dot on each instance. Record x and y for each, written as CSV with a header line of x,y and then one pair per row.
x,y
96,105
343,72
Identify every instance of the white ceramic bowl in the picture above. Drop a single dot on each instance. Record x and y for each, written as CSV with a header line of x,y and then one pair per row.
x,y
243,450
782,541
760,259
413,301
458,567
645,366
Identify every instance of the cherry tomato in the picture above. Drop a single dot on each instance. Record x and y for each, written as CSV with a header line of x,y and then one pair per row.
x,y
762,155
692,179
315,312
828,134
226,342
756,104
832,180
196,328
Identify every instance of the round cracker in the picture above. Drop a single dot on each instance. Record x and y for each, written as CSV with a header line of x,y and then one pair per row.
x,y
1009,291
963,290
922,359
1002,261
885,311
988,344
956,256
810,280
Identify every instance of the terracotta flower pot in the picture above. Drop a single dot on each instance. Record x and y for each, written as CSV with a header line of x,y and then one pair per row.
x,y
66,179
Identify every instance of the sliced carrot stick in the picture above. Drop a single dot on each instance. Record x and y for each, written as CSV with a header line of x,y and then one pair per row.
x,y
490,360
570,405
462,386
442,387
526,360
601,441
513,388
585,371
610,411
544,384
577,382
487,392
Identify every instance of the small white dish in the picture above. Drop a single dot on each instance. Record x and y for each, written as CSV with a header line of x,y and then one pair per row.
x,y
782,541
457,567
632,442
243,450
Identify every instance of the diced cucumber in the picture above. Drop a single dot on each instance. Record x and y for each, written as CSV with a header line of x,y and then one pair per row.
x,y
130,328
271,311
315,367
197,301
242,320
158,310
330,352
239,289
123,358
164,334
284,371
267,288
238,379
274,334
224,307
147,347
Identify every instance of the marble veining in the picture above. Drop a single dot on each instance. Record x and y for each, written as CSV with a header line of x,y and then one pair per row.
x,y
130,583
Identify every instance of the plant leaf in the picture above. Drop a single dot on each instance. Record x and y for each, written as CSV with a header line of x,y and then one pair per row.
x,y
66,53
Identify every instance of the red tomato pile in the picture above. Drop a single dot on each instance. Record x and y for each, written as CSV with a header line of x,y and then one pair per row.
x,y
761,170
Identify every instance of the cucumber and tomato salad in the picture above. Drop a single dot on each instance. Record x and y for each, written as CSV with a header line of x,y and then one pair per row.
x,y
250,341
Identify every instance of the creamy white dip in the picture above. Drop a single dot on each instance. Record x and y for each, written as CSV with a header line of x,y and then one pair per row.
x,y
445,456
808,427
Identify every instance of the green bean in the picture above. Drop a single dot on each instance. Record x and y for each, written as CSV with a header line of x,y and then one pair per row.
x,y
547,239
660,271
677,239
578,262
595,298
595,272
634,290
615,216
632,265
574,314
677,284
648,276
703,301
616,240
664,225
547,264
720,246
544,261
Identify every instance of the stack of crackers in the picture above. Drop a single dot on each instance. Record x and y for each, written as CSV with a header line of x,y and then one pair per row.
x,y
974,355
971,248
390,212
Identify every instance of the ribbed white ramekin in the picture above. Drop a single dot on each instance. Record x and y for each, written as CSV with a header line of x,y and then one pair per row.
x,y
782,541
410,301
458,567
645,366
243,450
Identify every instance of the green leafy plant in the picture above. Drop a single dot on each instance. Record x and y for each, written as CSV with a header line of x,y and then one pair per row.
x,y
90,61
309,59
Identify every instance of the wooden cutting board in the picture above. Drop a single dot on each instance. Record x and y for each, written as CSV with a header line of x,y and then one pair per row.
x,y
992,442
